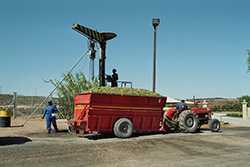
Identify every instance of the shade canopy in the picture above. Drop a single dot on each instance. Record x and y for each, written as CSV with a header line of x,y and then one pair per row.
x,y
176,101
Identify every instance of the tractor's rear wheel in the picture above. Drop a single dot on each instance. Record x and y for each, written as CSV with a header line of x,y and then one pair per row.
x,y
123,128
188,121
214,125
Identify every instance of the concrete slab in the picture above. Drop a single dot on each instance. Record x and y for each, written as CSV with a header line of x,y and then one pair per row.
x,y
231,120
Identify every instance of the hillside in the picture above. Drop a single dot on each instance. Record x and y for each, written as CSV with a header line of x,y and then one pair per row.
x,y
218,101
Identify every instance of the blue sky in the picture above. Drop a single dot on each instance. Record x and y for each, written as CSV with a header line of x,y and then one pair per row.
x,y
201,44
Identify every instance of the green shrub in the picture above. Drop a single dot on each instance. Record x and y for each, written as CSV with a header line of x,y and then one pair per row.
x,y
67,90
238,115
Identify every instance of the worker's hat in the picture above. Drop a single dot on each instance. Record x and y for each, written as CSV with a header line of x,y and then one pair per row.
x,y
49,101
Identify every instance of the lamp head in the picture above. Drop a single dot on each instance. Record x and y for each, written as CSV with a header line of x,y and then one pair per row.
x,y
155,22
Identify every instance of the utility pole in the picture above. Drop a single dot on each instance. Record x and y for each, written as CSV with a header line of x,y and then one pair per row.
x,y
155,23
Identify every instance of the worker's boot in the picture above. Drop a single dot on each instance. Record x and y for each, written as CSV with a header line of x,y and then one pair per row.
x,y
56,129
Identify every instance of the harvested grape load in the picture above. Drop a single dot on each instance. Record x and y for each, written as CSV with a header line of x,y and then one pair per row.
x,y
124,91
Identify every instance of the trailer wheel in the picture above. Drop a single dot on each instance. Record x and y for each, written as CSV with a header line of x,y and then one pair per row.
x,y
71,129
188,121
123,128
214,125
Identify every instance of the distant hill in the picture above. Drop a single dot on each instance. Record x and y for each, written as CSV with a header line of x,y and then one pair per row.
x,y
217,101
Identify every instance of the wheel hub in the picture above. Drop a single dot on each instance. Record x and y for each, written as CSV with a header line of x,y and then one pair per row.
x,y
215,126
189,122
124,128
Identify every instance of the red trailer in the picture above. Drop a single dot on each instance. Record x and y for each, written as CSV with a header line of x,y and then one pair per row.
x,y
121,114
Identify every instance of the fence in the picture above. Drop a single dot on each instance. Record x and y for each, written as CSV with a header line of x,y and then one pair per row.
x,y
21,106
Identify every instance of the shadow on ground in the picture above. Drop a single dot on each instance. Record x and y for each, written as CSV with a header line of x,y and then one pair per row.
x,y
13,140
111,135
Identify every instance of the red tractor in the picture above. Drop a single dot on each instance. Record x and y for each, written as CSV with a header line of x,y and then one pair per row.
x,y
189,119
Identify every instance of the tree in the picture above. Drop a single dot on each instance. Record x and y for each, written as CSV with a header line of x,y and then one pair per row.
x,y
237,107
67,90
246,97
248,61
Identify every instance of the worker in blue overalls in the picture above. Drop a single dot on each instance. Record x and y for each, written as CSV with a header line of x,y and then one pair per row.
x,y
50,112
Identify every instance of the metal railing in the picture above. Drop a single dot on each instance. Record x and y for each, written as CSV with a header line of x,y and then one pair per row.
x,y
123,84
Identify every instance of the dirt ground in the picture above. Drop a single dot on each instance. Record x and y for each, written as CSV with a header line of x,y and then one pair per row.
x,y
35,127
31,146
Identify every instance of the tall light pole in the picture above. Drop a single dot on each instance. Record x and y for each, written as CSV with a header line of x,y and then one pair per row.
x,y
101,38
155,23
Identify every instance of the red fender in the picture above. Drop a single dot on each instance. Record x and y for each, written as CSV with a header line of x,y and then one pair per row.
x,y
170,112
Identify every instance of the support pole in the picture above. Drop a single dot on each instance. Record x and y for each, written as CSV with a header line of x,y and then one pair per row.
x,y
14,105
102,58
154,59
155,23
51,96
91,63
55,87
93,71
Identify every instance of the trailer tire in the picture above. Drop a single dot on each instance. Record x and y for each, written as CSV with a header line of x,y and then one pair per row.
x,y
188,121
214,125
123,128
72,130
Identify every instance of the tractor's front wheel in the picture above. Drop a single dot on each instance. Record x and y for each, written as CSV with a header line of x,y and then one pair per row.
x,y
214,125
188,121
123,128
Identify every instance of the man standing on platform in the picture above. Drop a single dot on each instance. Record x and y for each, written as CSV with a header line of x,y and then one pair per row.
x,y
114,79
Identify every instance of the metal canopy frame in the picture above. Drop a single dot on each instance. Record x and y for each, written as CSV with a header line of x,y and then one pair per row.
x,y
101,38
